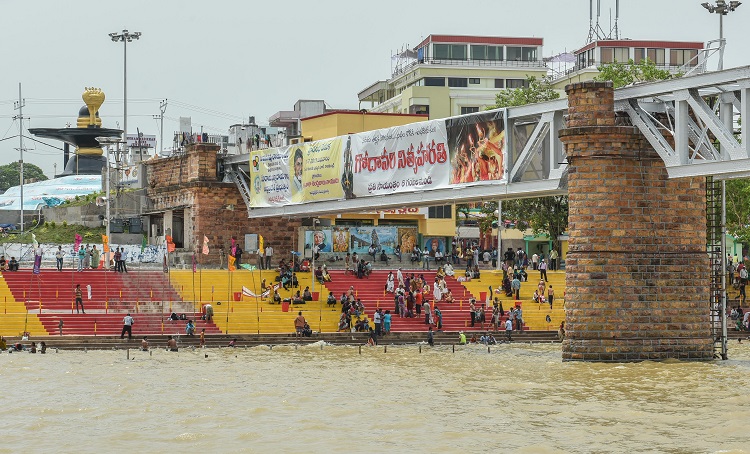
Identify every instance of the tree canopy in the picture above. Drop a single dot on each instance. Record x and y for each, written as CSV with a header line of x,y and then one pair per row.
x,y
622,74
534,91
10,174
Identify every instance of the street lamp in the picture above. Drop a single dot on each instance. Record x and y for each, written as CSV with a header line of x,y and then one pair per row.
x,y
722,8
125,37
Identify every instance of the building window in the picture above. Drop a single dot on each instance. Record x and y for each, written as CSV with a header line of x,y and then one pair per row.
x,y
517,83
521,53
440,212
449,51
615,54
480,52
434,81
679,57
457,82
499,83
474,80
657,56
419,109
639,55
469,110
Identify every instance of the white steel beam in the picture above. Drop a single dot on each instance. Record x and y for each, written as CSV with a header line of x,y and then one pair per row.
x,y
419,198
536,139
731,149
643,122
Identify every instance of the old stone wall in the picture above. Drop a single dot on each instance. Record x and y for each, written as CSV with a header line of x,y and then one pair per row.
x,y
216,209
637,251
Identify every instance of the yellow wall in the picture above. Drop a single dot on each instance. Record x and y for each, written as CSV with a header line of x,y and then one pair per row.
x,y
338,124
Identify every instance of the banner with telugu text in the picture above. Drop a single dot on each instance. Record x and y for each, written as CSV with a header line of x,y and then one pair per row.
x,y
269,177
399,159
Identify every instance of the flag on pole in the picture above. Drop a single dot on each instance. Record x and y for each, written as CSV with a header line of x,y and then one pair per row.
x,y
261,245
170,243
234,247
77,243
195,264
205,245
105,243
144,243
231,263
34,242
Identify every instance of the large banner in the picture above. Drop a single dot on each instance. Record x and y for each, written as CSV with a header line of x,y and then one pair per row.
x,y
299,173
477,147
435,154
400,159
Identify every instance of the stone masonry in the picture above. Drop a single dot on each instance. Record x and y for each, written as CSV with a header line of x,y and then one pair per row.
x,y
637,253
190,181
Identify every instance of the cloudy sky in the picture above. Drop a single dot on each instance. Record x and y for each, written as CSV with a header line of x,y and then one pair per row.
x,y
222,61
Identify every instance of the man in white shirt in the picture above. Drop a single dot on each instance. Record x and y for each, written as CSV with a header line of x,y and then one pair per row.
x,y
508,328
127,326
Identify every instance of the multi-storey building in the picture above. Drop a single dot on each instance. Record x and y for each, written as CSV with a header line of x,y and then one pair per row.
x,y
675,56
448,75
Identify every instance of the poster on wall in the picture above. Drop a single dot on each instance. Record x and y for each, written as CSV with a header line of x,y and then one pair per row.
x,y
434,244
398,159
341,239
477,147
380,238
320,238
407,237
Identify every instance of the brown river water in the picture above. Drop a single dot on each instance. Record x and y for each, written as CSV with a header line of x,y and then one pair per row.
x,y
322,398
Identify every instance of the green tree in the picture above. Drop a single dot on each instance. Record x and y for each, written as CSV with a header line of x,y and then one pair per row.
x,y
622,74
534,91
10,174
738,209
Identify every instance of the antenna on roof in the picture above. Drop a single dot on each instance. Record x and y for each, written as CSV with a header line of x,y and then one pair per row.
x,y
596,32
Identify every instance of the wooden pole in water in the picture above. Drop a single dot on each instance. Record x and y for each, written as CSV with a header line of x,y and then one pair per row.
x,y
454,348
360,349
420,349
385,349
128,354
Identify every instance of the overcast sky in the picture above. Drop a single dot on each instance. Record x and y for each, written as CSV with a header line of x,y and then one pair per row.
x,y
222,61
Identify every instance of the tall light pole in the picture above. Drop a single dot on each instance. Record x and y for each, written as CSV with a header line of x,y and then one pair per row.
x,y
125,37
722,8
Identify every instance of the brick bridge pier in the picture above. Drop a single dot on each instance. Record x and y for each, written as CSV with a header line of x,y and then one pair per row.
x,y
637,268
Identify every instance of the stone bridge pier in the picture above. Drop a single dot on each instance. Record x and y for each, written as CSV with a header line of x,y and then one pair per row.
x,y
637,268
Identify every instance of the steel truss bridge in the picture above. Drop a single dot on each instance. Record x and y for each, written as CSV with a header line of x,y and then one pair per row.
x,y
696,111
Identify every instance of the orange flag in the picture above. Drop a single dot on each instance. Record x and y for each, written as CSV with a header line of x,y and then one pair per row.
x,y
170,243
230,265
105,243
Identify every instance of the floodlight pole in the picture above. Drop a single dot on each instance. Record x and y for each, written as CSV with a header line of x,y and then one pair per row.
x,y
125,37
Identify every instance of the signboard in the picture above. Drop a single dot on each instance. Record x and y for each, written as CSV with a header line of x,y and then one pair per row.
x,y
436,154
146,141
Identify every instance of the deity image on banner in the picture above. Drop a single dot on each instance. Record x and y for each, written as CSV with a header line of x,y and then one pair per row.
x,y
340,239
477,146
407,237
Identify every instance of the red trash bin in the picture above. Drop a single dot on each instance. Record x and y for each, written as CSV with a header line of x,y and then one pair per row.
x,y
316,296
238,296
285,306
483,296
